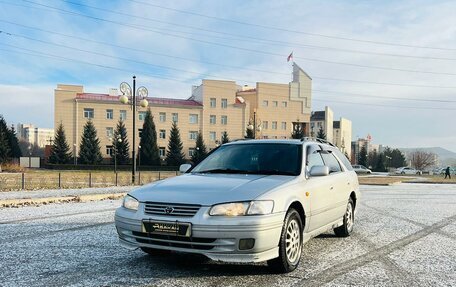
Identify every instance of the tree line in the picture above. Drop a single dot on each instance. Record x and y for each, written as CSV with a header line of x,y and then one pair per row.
x,y
90,150
9,145
381,161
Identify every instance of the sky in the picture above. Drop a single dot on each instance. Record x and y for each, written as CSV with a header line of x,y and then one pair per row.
x,y
388,66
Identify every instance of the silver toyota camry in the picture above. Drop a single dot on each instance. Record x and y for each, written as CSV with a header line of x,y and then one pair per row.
x,y
248,201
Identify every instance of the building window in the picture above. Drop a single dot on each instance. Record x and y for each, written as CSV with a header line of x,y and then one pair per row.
x,y
191,151
140,132
265,125
265,103
192,135
275,103
162,117
212,136
88,113
284,104
141,116
284,125
212,119
193,119
162,151
109,114
224,120
109,132
162,134
213,102
175,117
109,150
123,115
274,125
224,103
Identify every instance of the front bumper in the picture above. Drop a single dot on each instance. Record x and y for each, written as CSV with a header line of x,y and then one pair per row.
x,y
216,237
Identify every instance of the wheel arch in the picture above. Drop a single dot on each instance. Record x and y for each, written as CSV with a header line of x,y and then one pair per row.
x,y
353,198
300,209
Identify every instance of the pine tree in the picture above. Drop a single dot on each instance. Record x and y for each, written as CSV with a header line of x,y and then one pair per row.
x,y
120,144
5,151
149,149
380,166
372,159
174,155
225,138
200,152
89,149
362,157
249,133
60,151
321,134
14,143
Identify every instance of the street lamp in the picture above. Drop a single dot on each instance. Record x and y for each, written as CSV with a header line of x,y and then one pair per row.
x,y
128,98
114,147
253,126
139,157
75,155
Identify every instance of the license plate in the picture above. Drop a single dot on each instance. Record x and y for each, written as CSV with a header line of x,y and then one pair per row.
x,y
167,227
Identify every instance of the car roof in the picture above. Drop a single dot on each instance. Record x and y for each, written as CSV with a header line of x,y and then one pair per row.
x,y
279,141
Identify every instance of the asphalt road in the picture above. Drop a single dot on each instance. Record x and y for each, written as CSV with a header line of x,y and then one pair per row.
x,y
405,235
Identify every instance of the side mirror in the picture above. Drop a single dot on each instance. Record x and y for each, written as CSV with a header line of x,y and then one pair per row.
x,y
184,167
319,170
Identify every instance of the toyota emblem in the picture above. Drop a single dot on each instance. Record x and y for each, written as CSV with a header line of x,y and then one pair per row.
x,y
169,210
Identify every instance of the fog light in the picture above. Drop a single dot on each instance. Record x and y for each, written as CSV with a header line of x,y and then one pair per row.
x,y
246,243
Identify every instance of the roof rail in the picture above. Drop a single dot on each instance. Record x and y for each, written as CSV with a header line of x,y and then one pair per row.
x,y
317,140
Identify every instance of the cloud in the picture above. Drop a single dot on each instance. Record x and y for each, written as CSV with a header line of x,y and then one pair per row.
x,y
419,23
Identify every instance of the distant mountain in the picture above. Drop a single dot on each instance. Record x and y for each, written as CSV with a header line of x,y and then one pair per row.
x,y
446,157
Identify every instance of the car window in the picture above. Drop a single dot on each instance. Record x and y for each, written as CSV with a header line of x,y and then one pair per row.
x,y
331,162
344,159
313,156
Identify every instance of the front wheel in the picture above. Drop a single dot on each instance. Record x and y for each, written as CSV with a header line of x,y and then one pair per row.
x,y
349,218
290,245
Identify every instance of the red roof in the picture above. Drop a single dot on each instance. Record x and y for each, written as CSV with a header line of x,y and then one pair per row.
x,y
151,100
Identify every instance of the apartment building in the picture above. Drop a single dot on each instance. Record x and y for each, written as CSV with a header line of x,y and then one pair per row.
x,y
35,135
337,132
214,107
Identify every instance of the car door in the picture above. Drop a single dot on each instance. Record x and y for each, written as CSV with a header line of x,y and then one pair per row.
x,y
340,185
319,189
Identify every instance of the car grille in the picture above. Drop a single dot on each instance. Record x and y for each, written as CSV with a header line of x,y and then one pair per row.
x,y
175,241
171,209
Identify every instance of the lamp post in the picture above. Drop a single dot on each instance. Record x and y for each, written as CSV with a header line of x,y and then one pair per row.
x,y
114,147
139,157
75,155
129,97
253,126
388,161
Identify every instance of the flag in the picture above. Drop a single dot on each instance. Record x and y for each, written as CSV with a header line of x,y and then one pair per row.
x,y
290,57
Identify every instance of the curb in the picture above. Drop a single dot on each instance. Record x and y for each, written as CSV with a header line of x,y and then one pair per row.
x,y
62,199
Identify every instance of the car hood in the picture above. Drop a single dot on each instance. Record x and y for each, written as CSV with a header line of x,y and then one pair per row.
x,y
209,189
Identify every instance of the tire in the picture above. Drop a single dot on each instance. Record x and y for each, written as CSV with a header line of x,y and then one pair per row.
x,y
402,173
349,219
289,256
155,252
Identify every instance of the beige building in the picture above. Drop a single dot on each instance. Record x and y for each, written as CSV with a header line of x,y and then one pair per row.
x,y
214,107
34,135
337,132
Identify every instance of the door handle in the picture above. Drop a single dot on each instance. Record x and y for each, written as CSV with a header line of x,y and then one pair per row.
x,y
348,183
331,188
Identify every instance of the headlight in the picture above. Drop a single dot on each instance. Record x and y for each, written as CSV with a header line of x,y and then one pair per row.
x,y
257,207
130,202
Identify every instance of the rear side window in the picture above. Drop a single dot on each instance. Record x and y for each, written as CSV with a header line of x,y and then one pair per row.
x,y
344,160
331,162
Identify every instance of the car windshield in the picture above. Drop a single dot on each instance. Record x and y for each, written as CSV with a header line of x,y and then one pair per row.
x,y
255,158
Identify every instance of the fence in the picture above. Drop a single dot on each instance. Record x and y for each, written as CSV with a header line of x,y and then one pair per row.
x,y
69,179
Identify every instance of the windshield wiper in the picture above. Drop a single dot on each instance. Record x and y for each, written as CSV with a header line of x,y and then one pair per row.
x,y
222,170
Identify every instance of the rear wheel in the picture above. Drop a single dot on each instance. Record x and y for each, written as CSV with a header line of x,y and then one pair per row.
x,y
349,219
155,252
290,245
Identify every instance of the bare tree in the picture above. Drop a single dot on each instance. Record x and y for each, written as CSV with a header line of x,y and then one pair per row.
x,y
422,160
